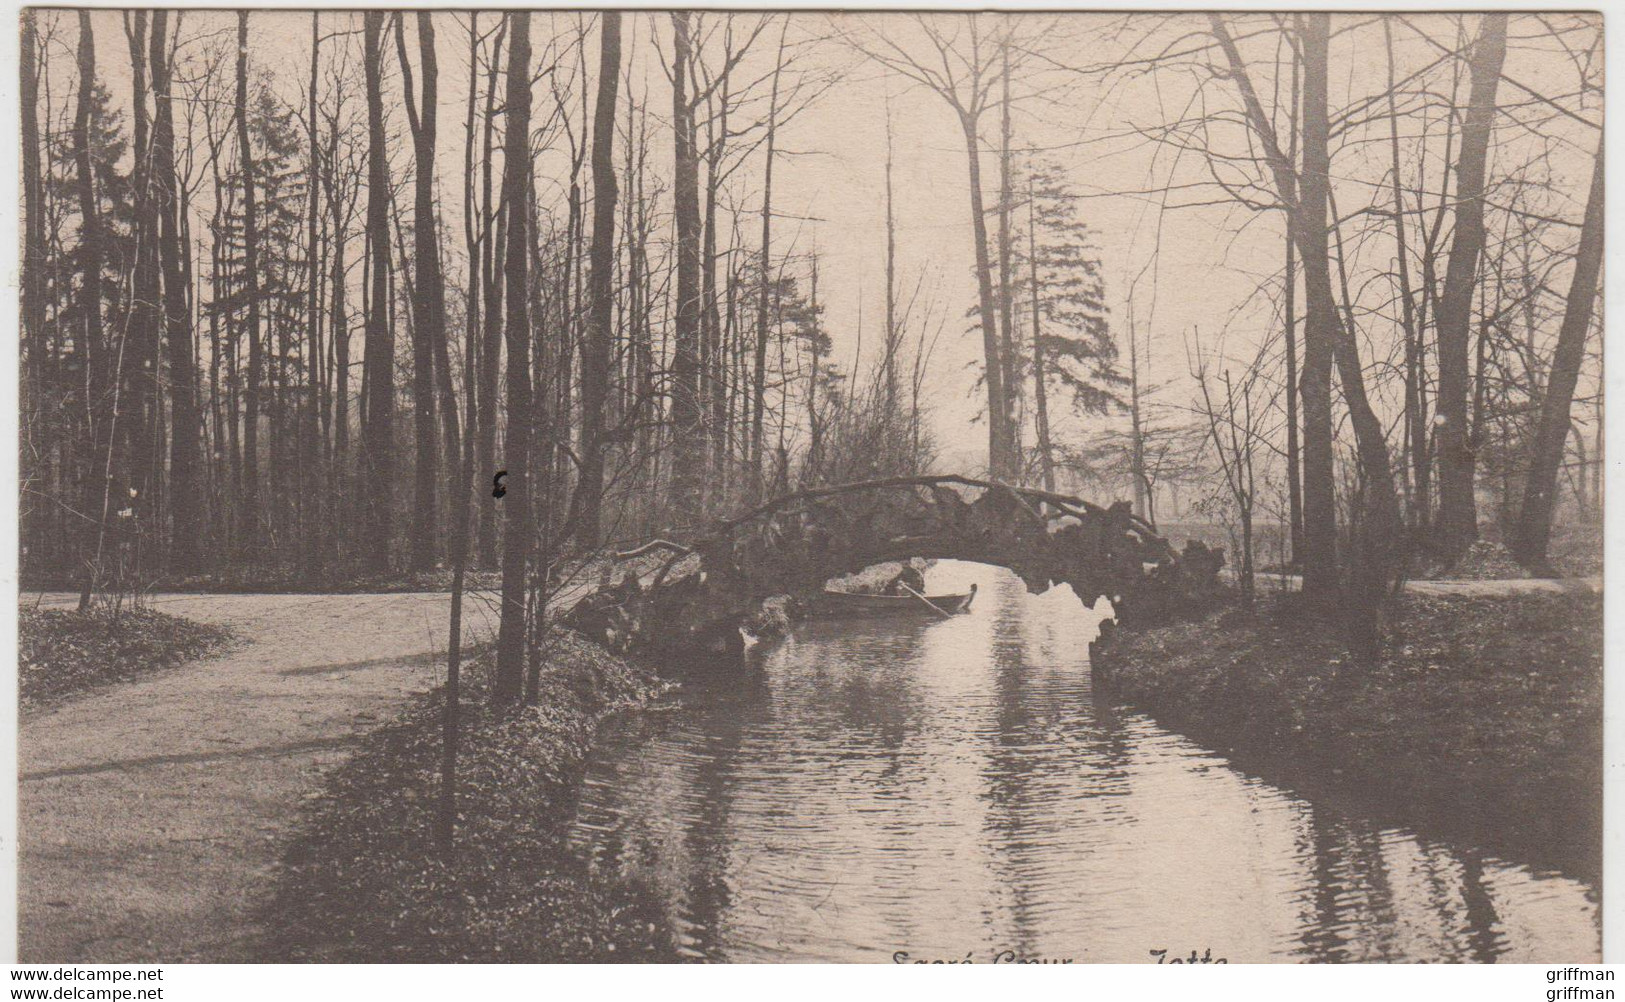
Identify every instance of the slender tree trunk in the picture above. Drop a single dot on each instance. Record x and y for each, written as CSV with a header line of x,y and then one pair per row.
x,y
37,374
378,421
339,332
313,523
1321,322
711,350
429,294
764,289
90,309
1046,453
689,459
472,225
1540,490
463,486
141,446
1294,458
493,239
1294,479
596,348
510,671
889,360
815,426
1416,427
998,410
1009,357
249,286
1458,514
185,488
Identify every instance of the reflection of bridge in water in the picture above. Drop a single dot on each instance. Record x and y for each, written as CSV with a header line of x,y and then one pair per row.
x,y
706,589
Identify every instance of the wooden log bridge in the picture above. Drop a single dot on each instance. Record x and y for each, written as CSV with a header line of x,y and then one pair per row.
x,y
704,591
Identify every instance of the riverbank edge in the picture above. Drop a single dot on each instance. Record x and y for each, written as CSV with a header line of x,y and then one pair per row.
x,y
1481,719
363,880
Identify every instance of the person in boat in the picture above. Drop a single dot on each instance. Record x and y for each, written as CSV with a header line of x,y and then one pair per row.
x,y
908,577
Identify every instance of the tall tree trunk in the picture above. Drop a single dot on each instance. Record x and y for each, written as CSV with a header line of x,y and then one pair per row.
x,y
96,387
1377,527
1458,513
815,426
37,375
313,523
339,332
463,480
889,359
472,225
1416,427
141,446
429,292
1046,453
1321,322
1294,458
249,287
689,459
185,488
764,298
998,408
510,671
494,235
378,371
1540,490
596,348
1306,222
1009,357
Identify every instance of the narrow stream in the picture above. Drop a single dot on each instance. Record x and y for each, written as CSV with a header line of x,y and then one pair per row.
x,y
953,788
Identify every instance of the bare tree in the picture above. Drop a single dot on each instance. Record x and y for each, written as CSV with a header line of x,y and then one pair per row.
x,y
516,193
1534,527
378,424
99,410
429,299
248,521
961,68
1458,515
185,483
596,349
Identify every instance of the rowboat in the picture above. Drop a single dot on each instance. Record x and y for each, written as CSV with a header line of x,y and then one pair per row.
x,y
842,603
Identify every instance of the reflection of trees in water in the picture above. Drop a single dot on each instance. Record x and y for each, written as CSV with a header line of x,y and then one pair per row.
x,y
713,749
812,780
1042,694
1325,932
810,696
1352,913
1483,923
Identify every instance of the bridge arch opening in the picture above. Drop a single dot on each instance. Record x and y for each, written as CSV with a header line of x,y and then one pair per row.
x,y
705,591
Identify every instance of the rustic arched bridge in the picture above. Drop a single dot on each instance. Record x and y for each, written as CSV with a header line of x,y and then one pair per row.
x,y
705,590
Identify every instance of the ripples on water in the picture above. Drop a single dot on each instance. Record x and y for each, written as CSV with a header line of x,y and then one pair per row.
x,y
951,786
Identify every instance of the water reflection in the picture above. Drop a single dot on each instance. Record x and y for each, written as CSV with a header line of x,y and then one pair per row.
x,y
954,786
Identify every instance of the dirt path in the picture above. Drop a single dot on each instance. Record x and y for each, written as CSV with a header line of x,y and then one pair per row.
x,y
151,812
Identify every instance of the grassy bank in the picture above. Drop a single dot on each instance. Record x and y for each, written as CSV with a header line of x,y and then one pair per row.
x,y
65,652
1482,718
365,881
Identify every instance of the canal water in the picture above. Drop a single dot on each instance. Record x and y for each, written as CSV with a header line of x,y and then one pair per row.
x,y
953,788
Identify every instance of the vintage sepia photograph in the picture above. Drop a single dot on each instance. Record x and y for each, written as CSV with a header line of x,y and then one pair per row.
x,y
754,486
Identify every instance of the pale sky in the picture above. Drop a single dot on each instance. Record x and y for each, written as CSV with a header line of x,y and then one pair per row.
x,y
829,176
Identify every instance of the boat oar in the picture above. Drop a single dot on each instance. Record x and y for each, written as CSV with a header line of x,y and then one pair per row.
x,y
934,606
